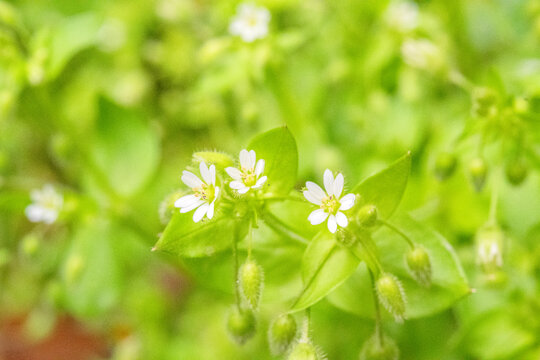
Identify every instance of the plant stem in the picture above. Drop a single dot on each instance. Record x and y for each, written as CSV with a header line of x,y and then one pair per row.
x,y
493,202
378,331
283,229
235,256
397,231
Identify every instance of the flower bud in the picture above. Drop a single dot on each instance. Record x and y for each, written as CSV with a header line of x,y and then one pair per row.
x,y
516,172
241,324
219,159
379,349
304,350
478,172
484,102
251,280
445,165
391,295
489,243
419,266
367,215
281,333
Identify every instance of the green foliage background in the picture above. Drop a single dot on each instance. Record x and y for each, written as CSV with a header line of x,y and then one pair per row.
x,y
107,100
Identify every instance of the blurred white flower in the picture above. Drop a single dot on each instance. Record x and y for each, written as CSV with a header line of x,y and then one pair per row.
x,y
422,54
111,35
249,174
205,193
331,203
402,16
46,205
250,22
489,243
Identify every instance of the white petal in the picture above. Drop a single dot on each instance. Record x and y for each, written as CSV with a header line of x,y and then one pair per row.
x,y
190,179
244,159
332,224
329,182
186,201
260,182
210,212
312,199
243,191
237,185
315,190
191,206
34,213
199,213
252,158
49,216
347,202
341,219
318,216
205,173
234,173
212,174
338,185
259,168
216,192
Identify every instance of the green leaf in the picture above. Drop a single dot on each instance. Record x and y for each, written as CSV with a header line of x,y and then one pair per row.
x,y
91,272
499,335
278,149
67,38
385,189
325,266
185,238
126,149
449,281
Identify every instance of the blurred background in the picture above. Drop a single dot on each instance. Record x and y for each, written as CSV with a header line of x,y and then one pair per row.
x,y
102,104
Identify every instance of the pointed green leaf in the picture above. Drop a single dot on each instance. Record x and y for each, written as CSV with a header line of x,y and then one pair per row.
x,y
325,265
126,149
278,149
449,282
185,238
385,188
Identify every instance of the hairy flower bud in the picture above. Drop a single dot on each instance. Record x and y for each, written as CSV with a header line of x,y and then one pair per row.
x,y
516,172
281,333
241,324
391,295
219,159
489,243
419,266
445,165
367,215
304,350
478,172
251,280
379,349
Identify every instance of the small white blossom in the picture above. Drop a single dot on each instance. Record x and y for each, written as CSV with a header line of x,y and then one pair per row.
x,y
205,193
46,205
250,22
421,54
249,174
402,16
330,201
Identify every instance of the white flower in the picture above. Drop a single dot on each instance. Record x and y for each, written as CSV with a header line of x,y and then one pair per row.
x,y
205,193
402,16
250,22
46,205
331,203
249,174
422,54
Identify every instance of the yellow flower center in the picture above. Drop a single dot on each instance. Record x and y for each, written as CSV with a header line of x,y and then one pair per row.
x,y
248,177
205,192
330,204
